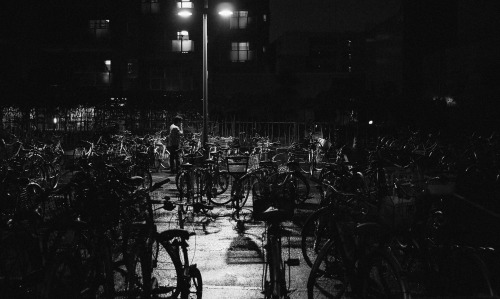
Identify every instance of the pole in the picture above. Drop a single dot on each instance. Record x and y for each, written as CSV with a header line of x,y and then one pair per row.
x,y
205,80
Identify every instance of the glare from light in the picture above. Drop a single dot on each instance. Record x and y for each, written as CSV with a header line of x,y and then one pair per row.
x,y
55,120
370,122
450,101
185,13
225,13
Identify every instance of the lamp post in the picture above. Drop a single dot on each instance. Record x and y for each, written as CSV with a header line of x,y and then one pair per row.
x,y
205,79
224,13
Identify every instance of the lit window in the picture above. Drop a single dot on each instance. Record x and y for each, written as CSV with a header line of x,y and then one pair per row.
x,y
182,35
240,52
184,4
99,28
239,20
108,65
150,6
183,44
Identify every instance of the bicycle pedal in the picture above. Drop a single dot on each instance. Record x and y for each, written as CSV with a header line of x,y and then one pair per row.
x,y
293,262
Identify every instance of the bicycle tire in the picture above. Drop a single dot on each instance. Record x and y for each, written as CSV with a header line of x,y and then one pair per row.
x,y
240,192
221,181
37,173
381,276
278,289
328,277
182,183
194,288
314,234
166,271
302,186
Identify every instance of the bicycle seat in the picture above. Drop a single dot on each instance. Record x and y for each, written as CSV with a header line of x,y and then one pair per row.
x,y
176,232
273,214
135,180
210,161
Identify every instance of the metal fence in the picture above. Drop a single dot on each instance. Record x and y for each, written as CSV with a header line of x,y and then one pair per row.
x,y
84,122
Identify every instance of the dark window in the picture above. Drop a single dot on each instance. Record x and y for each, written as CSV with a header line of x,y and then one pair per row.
x,y
150,7
99,28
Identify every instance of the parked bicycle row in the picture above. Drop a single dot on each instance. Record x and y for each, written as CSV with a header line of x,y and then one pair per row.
x,y
388,208
94,236
381,228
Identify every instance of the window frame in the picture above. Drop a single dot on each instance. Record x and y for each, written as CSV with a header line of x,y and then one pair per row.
x,y
240,20
238,49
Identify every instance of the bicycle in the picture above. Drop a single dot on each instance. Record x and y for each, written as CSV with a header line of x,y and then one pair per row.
x,y
317,229
274,204
355,260
162,266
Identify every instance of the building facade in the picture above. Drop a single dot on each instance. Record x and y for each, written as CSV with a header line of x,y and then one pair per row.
x,y
136,53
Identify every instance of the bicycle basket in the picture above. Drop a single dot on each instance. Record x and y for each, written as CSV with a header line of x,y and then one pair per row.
x,y
237,164
193,159
280,196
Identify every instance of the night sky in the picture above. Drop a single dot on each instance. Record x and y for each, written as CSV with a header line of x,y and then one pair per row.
x,y
328,15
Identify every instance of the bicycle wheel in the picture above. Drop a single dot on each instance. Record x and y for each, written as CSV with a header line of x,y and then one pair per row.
x,y
166,271
182,181
328,277
275,283
37,173
380,276
194,289
221,181
302,187
240,191
315,234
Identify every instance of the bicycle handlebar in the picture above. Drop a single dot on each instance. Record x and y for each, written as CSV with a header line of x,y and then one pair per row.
x,y
157,185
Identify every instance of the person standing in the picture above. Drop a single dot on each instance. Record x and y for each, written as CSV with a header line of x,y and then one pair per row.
x,y
174,143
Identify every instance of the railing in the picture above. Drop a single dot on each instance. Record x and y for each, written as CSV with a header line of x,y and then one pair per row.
x,y
84,122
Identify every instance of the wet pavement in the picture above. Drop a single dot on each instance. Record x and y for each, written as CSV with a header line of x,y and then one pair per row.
x,y
229,256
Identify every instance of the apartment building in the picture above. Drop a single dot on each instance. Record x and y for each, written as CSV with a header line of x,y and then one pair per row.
x,y
138,52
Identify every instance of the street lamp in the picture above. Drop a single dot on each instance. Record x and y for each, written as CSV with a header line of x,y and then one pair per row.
x,y
187,13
